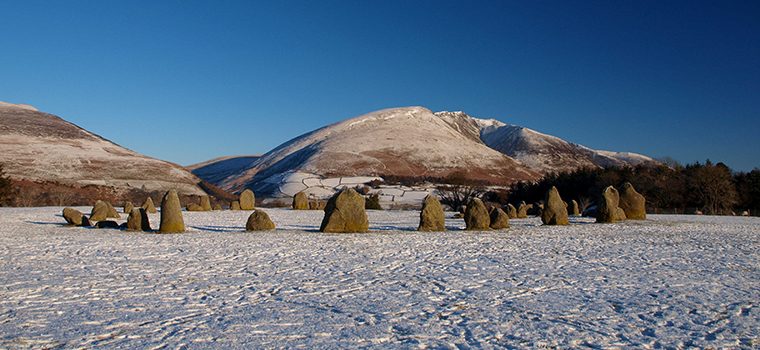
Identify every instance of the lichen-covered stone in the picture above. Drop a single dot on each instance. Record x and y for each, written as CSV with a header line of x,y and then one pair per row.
x,y
99,211
171,214
476,217
554,211
247,200
75,217
112,213
608,209
345,213
235,205
259,221
149,206
432,218
632,203
499,219
128,207
138,220
522,210
300,201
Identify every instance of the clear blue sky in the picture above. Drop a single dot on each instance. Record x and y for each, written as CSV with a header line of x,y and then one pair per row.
x,y
187,81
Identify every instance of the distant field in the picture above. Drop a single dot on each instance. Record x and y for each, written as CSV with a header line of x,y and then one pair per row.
x,y
671,281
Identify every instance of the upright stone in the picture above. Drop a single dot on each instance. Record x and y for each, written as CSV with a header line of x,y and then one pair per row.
x,y
217,206
149,206
247,200
259,221
554,212
235,205
128,207
75,217
632,203
194,207
345,212
432,217
608,209
171,214
205,203
300,201
99,211
373,202
511,211
112,213
499,219
522,210
476,216
573,209
138,220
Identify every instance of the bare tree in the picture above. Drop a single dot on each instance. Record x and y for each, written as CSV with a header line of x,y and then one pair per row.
x,y
459,190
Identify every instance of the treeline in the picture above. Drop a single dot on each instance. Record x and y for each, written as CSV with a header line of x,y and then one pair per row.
x,y
700,187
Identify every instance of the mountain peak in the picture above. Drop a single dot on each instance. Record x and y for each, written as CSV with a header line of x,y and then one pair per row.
x,y
20,105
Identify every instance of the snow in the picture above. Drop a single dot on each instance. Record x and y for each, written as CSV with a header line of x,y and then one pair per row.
x,y
672,281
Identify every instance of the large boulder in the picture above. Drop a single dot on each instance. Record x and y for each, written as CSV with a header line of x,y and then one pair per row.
x,y
259,221
128,207
138,220
632,203
476,217
99,211
149,206
300,201
247,200
499,219
573,208
554,211
205,203
432,217
522,210
75,217
511,211
608,209
235,205
171,214
345,213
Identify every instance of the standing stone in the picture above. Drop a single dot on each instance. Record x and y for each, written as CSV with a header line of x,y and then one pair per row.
x,y
431,217
499,219
194,207
205,203
112,213
476,216
373,202
75,217
217,206
171,214
247,200
511,211
573,209
345,213
632,203
300,201
149,206
138,220
128,207
259,221
554,211
235,205
608,210
522,210
99,211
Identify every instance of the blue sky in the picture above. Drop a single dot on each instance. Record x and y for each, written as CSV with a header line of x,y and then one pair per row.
x,y
187,81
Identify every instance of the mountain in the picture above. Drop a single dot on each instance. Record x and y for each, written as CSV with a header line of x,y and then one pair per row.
x,y
411,141
217,169
41,152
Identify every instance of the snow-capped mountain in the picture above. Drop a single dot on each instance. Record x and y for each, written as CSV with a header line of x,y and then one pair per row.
x,y
43,148
217,169
410,141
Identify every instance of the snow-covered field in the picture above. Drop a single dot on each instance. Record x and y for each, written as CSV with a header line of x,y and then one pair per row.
x,y
672,281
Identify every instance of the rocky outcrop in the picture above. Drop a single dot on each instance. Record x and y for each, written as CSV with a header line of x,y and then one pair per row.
x,y
432,217
259,221
476,216
632,203
171,214
554,211
345,213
